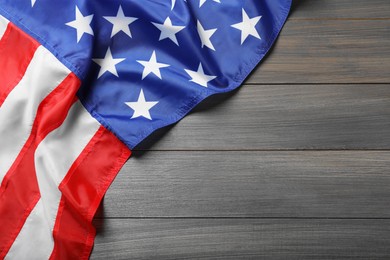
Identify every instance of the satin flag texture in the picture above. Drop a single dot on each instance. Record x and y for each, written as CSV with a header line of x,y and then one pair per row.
x,y
83,82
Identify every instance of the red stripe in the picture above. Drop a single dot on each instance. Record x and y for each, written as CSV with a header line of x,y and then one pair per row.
x,y
19,190
82,191
16,51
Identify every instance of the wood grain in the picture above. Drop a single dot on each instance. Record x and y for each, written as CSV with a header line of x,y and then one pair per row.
x,y
328,51
340,9
252,184
242,239
284,117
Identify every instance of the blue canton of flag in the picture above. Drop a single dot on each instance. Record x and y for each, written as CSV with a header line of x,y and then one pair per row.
x,y
146,64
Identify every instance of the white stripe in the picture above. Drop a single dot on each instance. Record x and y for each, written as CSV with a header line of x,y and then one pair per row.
x,y
36,225
18,111
3,26
53,159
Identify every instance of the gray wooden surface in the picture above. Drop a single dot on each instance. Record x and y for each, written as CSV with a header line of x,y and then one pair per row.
x,y
294,165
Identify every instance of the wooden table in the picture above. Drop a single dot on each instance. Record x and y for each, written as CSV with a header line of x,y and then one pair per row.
x,y
294,165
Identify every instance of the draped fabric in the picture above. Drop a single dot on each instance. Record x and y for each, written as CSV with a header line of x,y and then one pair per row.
x,y
83,82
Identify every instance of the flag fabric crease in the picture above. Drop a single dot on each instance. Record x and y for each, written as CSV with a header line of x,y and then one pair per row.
x,y
84,82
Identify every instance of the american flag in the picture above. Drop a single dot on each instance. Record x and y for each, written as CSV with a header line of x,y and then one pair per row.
x,y
83,82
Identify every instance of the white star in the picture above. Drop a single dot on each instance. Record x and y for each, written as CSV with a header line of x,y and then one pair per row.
x,y
120,22
141,107
247,26
82,24
168,30
199,77
205,36
108,64
152,66
201,2
33,3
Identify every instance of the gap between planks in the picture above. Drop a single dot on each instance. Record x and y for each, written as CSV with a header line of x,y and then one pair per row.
x,y
259,218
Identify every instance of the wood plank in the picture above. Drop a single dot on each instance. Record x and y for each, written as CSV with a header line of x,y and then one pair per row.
x,y
341,9
284,117
330,184
329,51
242,239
